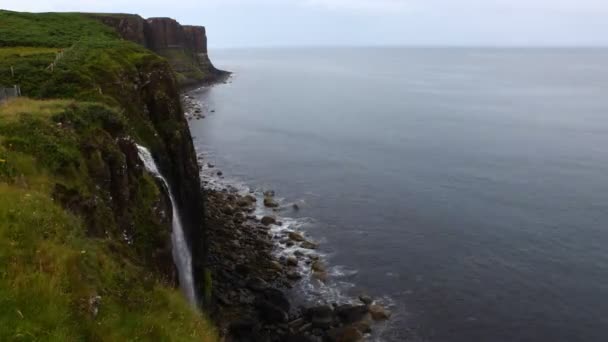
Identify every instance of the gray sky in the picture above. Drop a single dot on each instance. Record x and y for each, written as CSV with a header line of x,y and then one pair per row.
x,y
235,23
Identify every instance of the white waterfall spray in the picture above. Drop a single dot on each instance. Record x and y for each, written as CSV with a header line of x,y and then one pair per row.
x,y
181,251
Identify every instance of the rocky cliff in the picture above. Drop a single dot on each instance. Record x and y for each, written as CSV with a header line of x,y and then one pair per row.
x,y
84,229
185,47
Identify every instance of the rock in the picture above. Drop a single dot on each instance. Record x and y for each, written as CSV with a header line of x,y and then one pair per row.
x,y
293,275
268,220
364,326
239,217
270,312
219,173
321,316
295,236
365,299
308,245
277,298
299,337
257,284
228,209
250,198
321,276
269,193
243,328
318,266
276,265
292,261
352,313
211,166
299,254
345,334
270,203
295,207
242,202
379,313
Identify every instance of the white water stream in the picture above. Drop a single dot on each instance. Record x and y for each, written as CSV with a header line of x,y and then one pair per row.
x,y
181,251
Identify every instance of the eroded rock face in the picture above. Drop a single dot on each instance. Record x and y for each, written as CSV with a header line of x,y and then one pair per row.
x,y
196,38
184,46
163,33
129,26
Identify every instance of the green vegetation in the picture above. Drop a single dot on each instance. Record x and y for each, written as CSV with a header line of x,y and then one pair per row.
x,y
53,264
84,252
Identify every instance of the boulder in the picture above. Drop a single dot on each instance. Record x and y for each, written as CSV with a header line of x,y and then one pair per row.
x,y
379,313
293,275
257,284
295,236
242,328
270,312
270,203
268,220
292,261
345,334
308,245
321,316
318,266
352,313
365,299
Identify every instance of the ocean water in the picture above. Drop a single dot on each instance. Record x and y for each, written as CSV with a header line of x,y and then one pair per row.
x,y
466,187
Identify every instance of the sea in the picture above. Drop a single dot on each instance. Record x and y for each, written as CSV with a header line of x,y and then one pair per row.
x,y
466,189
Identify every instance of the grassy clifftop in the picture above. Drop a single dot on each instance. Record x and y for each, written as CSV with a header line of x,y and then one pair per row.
x,y
85,248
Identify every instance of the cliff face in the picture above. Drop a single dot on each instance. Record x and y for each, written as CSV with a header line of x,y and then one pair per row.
x,y
111,233
185,47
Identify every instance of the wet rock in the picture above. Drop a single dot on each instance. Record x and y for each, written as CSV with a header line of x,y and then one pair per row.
x,y
219,173
351,313
257,284
239,217
308,245
365,299
228,209
321,316
270,203
269,193
379,313
268,220
292,261
211,166
295,207
318,266
345,334
300,337
293,275
365,326
270,312
243,328
275,265
295,236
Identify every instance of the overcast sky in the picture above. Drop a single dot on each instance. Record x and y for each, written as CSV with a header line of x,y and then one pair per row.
x,y
235,23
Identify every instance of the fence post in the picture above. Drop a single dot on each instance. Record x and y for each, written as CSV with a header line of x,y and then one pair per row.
x,y
12,72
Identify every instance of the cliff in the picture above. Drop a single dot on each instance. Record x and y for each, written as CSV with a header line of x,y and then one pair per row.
x,y
84,229
185,47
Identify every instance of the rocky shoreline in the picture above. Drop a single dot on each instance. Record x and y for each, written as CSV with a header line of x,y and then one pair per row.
x,y
251,284
255,261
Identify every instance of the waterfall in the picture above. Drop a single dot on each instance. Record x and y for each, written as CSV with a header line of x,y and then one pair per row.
x,y
181,251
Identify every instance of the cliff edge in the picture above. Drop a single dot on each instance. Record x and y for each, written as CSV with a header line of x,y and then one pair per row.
x,y
85,230
184,46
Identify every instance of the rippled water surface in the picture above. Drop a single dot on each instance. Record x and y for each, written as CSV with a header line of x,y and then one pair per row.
x,y
469,186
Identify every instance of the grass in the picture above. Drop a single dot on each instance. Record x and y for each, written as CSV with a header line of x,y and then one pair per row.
x,y
59,30
69,191
51,267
